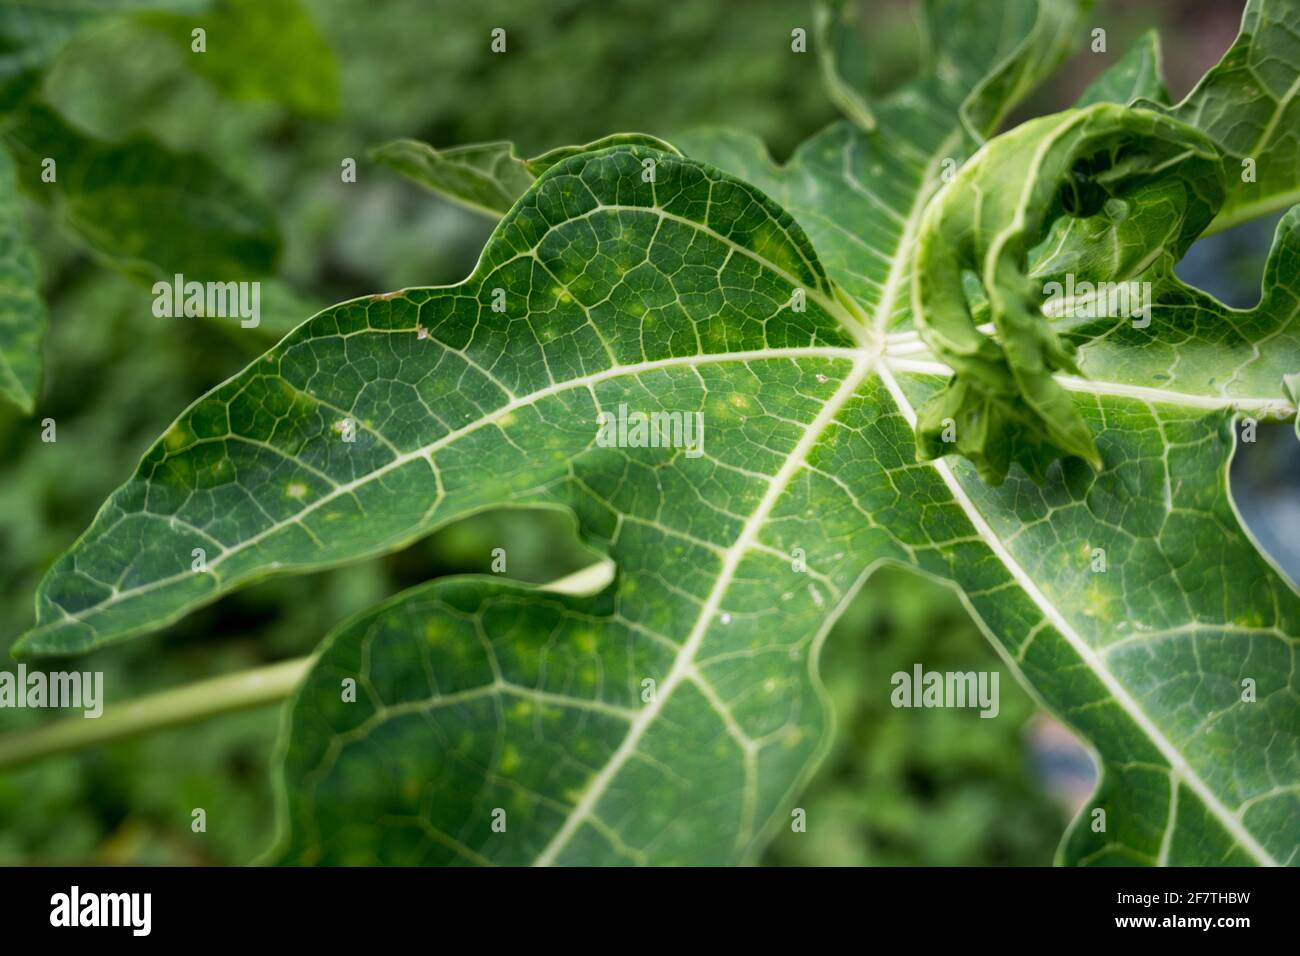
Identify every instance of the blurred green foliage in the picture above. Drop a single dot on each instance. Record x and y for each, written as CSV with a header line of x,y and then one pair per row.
x,y
898,787
935,787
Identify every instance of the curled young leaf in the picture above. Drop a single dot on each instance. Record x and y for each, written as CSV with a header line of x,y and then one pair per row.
x,y
1104,192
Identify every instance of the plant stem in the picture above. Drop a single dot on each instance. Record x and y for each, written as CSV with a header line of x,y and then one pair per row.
x,y
255,687
180,705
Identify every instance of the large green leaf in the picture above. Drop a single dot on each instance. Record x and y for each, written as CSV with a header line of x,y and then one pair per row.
x,y
580,273
146,210
22,311
674,296
478,696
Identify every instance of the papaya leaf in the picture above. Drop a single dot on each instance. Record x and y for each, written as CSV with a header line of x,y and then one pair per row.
x,y
588,294
676,297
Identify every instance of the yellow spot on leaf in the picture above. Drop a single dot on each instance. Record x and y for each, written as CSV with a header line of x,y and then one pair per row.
x,y
509,759
177,437
1097,601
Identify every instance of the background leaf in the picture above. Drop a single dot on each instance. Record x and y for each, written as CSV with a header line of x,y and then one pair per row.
x,y
266,49
22,311
843,59
148,211
32,32
487,177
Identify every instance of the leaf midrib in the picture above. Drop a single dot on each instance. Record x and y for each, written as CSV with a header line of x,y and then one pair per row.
x,y
424,451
